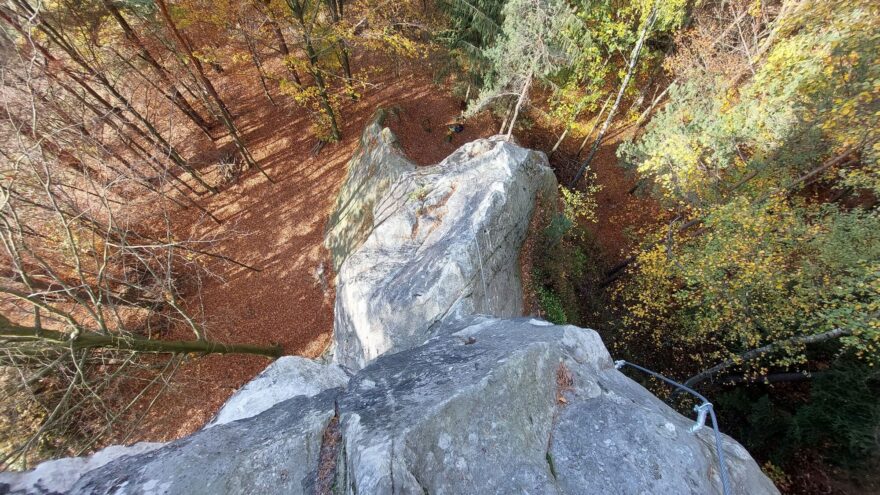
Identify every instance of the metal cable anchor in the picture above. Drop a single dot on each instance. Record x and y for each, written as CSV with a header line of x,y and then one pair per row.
x,y
701,411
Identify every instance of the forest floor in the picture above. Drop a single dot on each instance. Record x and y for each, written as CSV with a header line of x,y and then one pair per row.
x,y
279,228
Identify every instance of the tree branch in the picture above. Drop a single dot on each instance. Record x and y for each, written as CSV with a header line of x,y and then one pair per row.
x,y
760,351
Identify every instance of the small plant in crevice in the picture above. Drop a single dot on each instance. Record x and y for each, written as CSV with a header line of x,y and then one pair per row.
x,y
551,305
564,383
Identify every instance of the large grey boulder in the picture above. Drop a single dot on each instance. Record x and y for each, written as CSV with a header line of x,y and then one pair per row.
x,y
520,406
273,452
375,166
59,475
429,243
285,378
487,406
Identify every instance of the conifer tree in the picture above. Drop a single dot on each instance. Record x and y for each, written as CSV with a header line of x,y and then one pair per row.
x,y
537,39
473,27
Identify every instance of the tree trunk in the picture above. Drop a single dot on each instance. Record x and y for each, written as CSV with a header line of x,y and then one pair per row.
x,y
225,115
272,23
559,141
568,124
595,125
81,128
335,8
94,340
298,11
53,35
169,90
756,353
110,109
132,144
134,147
519,102
61,153
255,58
657,99
633,62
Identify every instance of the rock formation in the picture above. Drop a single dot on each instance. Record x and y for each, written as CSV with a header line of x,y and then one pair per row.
x,y
429,243
441,398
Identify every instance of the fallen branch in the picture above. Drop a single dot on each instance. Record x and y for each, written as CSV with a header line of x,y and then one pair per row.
x,y
93,340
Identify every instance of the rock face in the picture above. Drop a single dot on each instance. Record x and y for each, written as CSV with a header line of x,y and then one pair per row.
x,y
488,406
273,452
375,166
58,476
456,402
287,377
429,243
507,406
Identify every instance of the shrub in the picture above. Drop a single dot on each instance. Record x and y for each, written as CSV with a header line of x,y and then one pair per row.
x,y
551,304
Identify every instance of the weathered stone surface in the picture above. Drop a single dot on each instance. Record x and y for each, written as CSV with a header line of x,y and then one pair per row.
x,y
616,437
444,401
273,452
58,476
474,410
375,166
287,377
477,411
441,241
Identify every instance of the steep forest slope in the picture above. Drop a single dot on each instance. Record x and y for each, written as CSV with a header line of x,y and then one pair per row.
x,y
168,168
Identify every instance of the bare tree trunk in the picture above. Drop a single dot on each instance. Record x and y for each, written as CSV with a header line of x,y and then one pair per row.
x,y
272,23
595,125
255,58
285,51
504,120
110,109
335,8
136,176
61,153
225,115
71,51
132,144
643,117
633,62
519,102
760,351
94,340
567,129
559,141
169,90
80,127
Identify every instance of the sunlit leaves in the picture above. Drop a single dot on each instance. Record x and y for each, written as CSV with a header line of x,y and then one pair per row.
x,y
817,94
760,275
767,264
